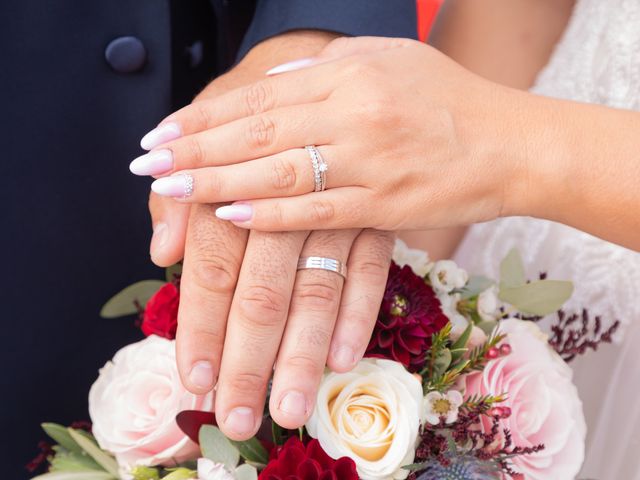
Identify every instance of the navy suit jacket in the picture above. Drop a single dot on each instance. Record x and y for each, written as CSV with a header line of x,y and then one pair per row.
x,y
81,81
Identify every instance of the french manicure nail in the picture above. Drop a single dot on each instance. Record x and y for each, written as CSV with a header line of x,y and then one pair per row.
x,y
152,163
344,356
235,213
161,134
160,236
201,375
293,403
291,66
241,421
177,186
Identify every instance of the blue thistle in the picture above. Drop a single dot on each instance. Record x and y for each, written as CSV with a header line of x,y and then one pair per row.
x,y
465,467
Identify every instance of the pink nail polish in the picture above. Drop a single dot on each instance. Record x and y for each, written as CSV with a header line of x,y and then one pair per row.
x,y
235,213
177,186
161,134
152,163
291,66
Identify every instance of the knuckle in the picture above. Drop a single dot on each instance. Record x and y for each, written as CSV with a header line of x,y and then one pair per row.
x,y
245,382
318,296
203,114
261,132
258,98
321,211
193,151
214,274
263,306
303,362
283,175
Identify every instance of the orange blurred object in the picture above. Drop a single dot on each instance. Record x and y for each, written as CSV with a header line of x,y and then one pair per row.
x,y
427,11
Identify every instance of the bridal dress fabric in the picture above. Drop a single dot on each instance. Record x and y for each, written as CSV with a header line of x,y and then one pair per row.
x,y
596,61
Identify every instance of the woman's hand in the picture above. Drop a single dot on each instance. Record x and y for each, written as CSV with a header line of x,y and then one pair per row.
x,y
411,139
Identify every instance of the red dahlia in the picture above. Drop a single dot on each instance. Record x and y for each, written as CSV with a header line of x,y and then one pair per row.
x,y
295,461
409,315
161,312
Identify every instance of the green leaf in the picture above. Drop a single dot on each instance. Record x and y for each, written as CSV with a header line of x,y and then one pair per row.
x,y
538,298
459,347
123,303
252,451
86,475
102,458
277,433
173,271
61,436
475,286
68,461
512,270
246,472
443,360
181,474
215,446
145,473
487,326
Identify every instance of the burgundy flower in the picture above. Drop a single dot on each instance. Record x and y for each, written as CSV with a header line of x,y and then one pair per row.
x,y
295,461
161,312
409,315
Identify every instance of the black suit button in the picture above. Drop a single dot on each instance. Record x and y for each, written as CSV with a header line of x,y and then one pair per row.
x,y
126,54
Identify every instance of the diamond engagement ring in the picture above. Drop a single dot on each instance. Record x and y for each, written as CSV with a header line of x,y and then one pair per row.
x,y
323,263
320,168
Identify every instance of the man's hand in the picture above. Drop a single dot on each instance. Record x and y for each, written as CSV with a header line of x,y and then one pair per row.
x,y
275,314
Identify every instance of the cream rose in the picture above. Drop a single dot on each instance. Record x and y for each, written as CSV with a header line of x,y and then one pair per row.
x,y
134,402
543,400
372,415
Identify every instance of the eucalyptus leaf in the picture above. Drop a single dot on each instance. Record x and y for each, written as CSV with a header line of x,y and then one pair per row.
x,y
61,436
215,446
173,271
475,286
246,472
252,451
538,298
512,270
487,326
123,303
86,475
102,458
68,461
459,346
443,360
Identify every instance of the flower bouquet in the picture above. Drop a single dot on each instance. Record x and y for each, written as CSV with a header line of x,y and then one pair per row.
x,y
459,382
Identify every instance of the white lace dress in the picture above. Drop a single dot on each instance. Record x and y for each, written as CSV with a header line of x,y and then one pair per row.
x,y
596,61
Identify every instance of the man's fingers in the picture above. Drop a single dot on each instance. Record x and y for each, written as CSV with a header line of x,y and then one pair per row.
x,y
169,222
368,270
256,322
305,345
212,260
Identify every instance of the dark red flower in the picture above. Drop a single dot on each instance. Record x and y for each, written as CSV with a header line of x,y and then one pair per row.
x,y
295,461
160,315
409,315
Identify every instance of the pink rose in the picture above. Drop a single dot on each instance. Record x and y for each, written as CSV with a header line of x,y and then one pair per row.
x,y
134,402
543,400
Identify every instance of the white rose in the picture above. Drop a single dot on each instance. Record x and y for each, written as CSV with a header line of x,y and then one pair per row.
x,y
446,276
134,402
209,470
371,415
418,260
488,305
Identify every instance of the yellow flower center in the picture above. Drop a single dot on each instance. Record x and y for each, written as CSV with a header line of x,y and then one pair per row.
x,y
441,406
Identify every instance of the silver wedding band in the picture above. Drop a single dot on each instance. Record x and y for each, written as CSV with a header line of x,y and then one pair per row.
x,y
323,263
320,168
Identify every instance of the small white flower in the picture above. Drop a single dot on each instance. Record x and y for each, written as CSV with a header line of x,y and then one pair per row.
x,y
446,276
209,470
488,305
442,405
418,260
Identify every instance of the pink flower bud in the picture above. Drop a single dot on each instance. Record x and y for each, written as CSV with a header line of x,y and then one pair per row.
x,y
506,412
505,349
492,353
496,412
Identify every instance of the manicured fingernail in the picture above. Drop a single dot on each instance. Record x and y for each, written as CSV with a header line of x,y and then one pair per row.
x,y
293,403
344,356
235,213
177,186
241,421
152,163
160,236
291,66
161,134
201,375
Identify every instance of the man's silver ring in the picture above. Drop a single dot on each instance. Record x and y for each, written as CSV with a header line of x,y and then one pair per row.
x,y
320,168
323,263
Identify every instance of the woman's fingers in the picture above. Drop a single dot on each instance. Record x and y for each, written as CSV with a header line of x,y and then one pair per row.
x,y
169,221
333,209
286,174
303,352
368,270
241,140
